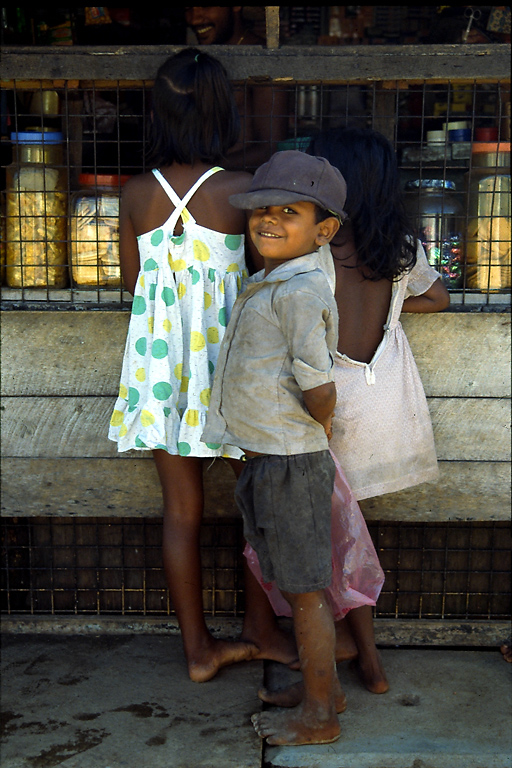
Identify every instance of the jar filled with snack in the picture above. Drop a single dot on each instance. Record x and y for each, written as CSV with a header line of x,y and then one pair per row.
x,y
36,215
94,230
489,217
437,217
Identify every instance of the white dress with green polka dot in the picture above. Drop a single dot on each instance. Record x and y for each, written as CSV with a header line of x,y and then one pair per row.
x,y
182,303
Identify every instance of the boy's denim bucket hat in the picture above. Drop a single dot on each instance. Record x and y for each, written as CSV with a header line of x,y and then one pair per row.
x,y
290,176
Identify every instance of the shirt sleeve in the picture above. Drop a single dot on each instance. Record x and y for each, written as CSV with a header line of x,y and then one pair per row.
x,y
422,275
307,323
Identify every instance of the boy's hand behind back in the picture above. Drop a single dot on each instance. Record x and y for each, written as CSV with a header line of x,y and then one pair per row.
x,y
320,402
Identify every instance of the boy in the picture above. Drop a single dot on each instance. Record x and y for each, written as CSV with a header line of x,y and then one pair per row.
x,y
274,396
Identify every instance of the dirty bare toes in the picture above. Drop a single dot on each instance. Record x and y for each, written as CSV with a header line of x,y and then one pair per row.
x,y
294,729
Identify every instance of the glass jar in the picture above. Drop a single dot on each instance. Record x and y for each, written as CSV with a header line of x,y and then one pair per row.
x,y
94,230
489,217
36,226
437,217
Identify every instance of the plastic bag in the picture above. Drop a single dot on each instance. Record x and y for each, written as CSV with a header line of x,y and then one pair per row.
x,y
357,576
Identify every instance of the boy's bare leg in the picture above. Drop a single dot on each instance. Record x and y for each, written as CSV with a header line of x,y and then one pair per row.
x,y
314,720
260,625
182,487
360,621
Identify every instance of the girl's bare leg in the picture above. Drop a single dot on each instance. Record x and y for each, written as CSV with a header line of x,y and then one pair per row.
x,y
360,622
314,720
182,486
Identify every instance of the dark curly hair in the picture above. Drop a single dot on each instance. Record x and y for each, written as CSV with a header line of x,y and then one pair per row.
x,y
384,239
194,115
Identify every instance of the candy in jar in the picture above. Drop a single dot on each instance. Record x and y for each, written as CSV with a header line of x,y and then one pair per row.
x,y
94,231
36,214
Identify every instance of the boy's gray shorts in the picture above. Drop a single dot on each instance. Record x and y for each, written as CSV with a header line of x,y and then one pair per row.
x,y
286,506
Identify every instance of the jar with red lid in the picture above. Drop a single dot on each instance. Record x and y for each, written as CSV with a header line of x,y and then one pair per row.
x,y
489,218
94,230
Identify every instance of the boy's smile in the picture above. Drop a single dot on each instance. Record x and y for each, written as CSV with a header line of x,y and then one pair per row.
x,y
284,232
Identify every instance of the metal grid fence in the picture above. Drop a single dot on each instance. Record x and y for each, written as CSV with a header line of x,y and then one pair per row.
x,y
61,203
62,566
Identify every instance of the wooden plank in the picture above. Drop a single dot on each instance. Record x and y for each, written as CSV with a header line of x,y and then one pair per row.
x,y
334,64
130,488
475,429
272,25
61,353
79,353
465,491
461,354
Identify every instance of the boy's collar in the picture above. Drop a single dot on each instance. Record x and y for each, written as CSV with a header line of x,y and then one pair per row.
x,y
289,268
320,259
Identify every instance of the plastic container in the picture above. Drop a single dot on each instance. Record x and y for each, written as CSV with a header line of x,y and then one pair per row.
x,y
36,226
486,134
436,137
489,218
94,231
438,219
459,134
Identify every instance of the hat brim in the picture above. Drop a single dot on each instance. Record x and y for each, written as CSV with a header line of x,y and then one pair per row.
x,y
260,198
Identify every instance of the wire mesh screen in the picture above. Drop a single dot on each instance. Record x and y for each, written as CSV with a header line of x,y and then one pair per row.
x,y
114,566
68,150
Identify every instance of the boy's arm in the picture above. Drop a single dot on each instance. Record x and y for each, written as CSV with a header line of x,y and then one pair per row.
x,y
435,299
320,402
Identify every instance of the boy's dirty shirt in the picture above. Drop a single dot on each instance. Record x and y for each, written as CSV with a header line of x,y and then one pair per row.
x,y
281,339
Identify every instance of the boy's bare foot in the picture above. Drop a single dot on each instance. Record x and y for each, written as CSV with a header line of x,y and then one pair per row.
x,y
292,695
372,674
220,654
296,727
506,651
274,645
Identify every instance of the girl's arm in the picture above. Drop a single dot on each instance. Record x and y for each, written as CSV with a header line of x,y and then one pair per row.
x,y
435,299
128,247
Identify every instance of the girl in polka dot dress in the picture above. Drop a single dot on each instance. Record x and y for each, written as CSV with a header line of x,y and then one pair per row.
x,y
182,251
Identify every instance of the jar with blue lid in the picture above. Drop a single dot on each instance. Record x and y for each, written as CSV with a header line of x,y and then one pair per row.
x,y
437,217
36,211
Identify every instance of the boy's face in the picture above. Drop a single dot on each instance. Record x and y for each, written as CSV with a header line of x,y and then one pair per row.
x,y
284,232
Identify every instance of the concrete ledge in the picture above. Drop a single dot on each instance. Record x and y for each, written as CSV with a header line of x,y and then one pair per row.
x,y
388,632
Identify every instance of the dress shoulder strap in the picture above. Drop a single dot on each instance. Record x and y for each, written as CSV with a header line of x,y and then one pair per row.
x,y
180,203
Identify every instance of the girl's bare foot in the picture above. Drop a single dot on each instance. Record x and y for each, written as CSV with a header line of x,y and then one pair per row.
x,y
292,695
506,651
274,644
220,654
346,648
372,674
296,727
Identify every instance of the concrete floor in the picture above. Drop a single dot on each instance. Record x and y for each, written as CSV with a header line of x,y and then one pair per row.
x,y
126,702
